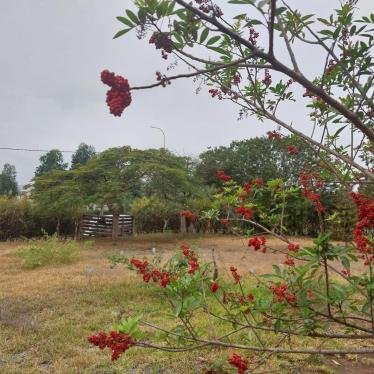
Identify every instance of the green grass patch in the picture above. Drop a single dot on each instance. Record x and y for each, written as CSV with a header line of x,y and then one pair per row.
x,y
48,251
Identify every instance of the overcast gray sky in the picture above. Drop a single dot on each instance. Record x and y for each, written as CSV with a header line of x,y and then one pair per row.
x,y
51,96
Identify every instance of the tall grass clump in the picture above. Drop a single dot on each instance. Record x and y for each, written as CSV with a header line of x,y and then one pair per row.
x,y
48,251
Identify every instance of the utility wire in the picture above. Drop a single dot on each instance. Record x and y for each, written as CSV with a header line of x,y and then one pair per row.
x,y
31,150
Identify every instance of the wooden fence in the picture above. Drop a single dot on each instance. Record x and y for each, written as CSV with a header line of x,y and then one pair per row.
x,y
94,225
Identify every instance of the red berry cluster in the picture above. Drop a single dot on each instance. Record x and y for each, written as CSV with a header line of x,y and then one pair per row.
x,y
116,341
258,182
289,261
331,66
192,259
188,214
205,7
240,363
235,274
365,225
267,79
346,272
292,150
225,222
253,35
281,293
163,79
247,213
308,182
162,40
214,287
257,242
162,277
237,78
118,97
276,135
224,178
293,247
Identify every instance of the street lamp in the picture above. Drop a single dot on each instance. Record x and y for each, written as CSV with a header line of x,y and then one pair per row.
x,y
163,133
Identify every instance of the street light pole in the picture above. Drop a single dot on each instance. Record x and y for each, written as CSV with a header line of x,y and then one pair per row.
x,y
163,133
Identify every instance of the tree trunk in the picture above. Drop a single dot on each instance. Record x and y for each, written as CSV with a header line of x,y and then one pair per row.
x,y
191,227
58,227
183,225
166,221
115,225
76,230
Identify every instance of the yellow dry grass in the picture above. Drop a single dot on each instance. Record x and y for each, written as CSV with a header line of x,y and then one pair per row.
x,y
47,313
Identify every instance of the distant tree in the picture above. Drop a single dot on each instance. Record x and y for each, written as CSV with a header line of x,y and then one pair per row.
x,y
8,181
255,158
52,160
118,176
84,153
57,196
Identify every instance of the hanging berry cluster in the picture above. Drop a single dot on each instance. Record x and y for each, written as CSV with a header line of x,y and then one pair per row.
x,y
162,41
206,7
364,227
118,97
308,182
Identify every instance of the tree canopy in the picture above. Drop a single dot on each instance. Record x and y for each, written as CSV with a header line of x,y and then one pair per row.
x,y
8,181
52,160
84,153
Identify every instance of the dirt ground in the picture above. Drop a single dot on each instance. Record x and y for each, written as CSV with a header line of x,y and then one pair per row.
x,y
36,303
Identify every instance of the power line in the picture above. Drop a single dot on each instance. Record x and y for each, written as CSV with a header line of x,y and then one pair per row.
x,y
31,150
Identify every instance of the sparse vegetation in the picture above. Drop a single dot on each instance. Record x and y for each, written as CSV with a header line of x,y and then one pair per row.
x,y
48,251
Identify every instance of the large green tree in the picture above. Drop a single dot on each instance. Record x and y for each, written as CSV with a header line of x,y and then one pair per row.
x,y
8,181
117,176
52,160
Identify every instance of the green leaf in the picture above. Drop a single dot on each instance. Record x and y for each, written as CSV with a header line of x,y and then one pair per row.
x,y
120,33
213,40
204,35
220,50
345,263
132,16
277,325
125,21
280,10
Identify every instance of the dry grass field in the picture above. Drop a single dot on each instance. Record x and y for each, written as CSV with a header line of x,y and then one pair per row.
x,y
46,313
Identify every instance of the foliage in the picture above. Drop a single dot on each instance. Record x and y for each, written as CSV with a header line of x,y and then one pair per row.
x,y
52,160
16,218
57,196
84,153
48,251
8,181
302,299
153,214
258,157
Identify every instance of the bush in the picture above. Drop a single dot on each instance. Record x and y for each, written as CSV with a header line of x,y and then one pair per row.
x,y
16,218
49,251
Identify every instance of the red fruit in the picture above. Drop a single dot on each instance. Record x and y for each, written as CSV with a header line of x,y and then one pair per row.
x,y
214,287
